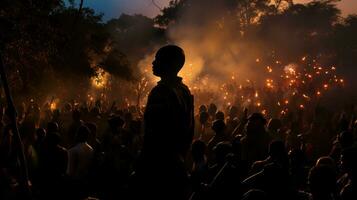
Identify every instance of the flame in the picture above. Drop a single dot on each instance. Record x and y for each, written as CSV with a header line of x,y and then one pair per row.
x,y
101,78
53,106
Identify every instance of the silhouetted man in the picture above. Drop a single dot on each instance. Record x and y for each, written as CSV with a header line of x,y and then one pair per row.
x,y
168,126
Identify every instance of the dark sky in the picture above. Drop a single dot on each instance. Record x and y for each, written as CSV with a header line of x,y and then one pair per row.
x,y
114,8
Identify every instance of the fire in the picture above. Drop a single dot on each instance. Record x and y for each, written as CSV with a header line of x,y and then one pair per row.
x,y
53,106
101,78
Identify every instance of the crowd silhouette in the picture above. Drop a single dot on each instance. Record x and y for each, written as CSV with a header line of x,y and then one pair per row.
x,y
98,151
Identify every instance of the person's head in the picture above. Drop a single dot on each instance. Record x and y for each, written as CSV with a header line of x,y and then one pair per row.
x,y
233,112
221,151
212,109
326,161
219,115
82,135
202,108
256,123
274,124
218,127
277,150
168,61
297,158
198,150
115,123
322,180
349,162
346,139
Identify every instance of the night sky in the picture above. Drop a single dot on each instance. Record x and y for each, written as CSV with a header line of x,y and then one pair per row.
x,y
114,8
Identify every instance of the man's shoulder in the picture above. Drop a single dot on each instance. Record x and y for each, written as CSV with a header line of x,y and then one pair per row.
x,y
160,89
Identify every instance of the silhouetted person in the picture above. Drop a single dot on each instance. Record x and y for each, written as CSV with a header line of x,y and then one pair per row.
x,y
212,109
200,167
80,155
322,182
53,161
232,119
223,175
256,142
349,165
273,127
168,128
73,127
219,128
80,160
343,141
219,115
277,155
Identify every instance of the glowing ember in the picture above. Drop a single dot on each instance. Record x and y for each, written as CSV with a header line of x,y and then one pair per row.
x,y
53,106
270,70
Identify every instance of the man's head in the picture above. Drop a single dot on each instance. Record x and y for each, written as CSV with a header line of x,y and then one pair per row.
x,y
256,123
168,61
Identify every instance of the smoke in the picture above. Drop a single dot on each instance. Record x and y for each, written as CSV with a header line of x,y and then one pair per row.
x,y
214,48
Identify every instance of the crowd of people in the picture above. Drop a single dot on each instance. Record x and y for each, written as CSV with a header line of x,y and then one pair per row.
x,y
96,151
81,151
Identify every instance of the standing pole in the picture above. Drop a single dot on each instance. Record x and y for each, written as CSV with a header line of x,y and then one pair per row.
x,y
24,179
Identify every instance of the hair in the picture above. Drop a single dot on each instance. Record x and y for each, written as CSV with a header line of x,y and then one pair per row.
x,y
172,55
